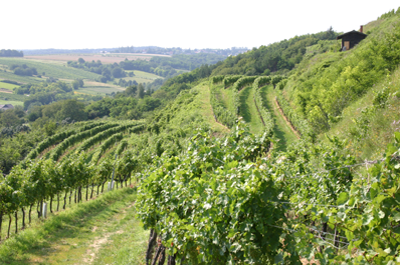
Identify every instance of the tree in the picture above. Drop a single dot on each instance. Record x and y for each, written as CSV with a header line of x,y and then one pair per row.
x,y
10,118
75,84
131,90
140,91
72,109
118,72
81,61
81,84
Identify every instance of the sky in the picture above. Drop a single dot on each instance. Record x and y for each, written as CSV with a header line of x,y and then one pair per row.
x,y
79,24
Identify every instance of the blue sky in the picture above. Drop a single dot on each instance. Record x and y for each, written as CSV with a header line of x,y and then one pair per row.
x,y
76,24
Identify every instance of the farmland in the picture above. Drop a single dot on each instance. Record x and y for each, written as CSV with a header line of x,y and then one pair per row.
x,y
95,88
50,69
108,58
7,86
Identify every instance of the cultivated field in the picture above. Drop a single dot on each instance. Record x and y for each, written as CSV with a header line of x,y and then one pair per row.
x,y
14,103
50,69
98,88
6,87
142,77
104,58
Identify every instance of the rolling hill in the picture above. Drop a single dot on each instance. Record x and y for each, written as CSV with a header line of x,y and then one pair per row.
x,y
286,154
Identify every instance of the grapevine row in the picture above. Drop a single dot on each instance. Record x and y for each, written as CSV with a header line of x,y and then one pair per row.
x,y
230,80
52,140
243,82
222,201
73,139
106,134
264,113
105,145
221,114
298,122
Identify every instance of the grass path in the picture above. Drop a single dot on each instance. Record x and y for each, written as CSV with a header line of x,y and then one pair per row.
x,y
102,231
206,110
248,110
282,131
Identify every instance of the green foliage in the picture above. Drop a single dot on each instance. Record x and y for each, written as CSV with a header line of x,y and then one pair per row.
x,y
230,80
11,53
297,121
323,90
265,114
53,70
23,70
78,137
217,79
56,138
221,113
277,57
219,207
105,135
243,81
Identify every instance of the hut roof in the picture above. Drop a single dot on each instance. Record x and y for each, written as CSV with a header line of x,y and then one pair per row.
x,y
351,33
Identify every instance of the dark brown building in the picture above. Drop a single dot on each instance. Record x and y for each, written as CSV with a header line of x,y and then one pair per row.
x,y
351,39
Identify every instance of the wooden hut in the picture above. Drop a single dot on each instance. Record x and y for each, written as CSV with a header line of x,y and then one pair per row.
x,y
351,39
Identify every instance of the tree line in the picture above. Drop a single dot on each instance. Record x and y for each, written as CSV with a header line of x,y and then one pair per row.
x,y
11,53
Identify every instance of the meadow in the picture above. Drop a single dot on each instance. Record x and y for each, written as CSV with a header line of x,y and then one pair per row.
x,y
7,86
49,68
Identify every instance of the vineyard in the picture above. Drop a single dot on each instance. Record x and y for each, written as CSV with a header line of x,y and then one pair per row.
x,y
70,162
245,165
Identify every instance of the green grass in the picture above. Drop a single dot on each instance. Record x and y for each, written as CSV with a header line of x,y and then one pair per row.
x,y
53,70
142,77
382,123
14,99
282,131
227,99
248,110
9,96
14,103
101,231
22,79
8,86
203,100
99,90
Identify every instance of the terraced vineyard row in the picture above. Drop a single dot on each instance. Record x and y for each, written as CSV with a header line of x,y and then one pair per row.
x,y
239,96
43,176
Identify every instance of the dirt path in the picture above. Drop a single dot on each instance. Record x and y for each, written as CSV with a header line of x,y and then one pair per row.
x,y
112,236
286,119
282,130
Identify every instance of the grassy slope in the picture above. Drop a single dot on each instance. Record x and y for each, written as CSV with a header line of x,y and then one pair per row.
x,y
22,79
282,130
12,102
8,86
101,231
248,110
382,123
205,108
14,99
53,70
227,98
